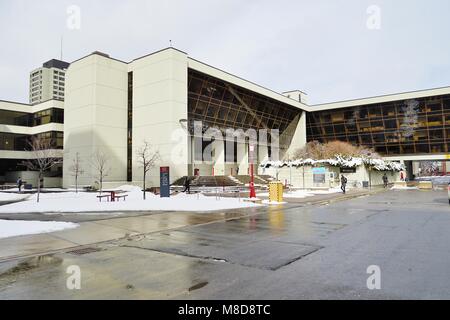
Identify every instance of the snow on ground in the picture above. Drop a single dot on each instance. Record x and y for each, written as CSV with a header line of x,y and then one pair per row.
x,y
4,196
404,188
304,193
272,202
70,202
331,190
12,228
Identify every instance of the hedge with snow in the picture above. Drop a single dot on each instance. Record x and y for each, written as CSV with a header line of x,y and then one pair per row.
x,y
338,161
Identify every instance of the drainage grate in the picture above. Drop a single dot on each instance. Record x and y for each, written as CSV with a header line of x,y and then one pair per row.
x,y
86,250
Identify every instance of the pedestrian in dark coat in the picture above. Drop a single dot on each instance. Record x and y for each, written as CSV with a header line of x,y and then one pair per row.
x,y
385,180
187,185
19,184
343,183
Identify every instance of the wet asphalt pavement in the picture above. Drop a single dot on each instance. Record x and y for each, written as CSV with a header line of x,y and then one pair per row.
x,y
282,252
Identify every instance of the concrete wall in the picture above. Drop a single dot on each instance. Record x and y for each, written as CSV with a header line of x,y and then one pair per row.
x,y
302,177
28,177
96,112
96,117
52,182
159,103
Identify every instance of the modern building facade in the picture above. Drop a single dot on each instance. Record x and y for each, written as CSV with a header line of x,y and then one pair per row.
x,y
47,82
20,122
202,120
113,107
412,126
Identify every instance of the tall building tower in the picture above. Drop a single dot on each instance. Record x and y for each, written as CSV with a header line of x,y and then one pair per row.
x,y
47,82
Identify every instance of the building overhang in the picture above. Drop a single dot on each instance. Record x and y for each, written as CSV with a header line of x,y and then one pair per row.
x,y
28,108
382,99
419,157
232,79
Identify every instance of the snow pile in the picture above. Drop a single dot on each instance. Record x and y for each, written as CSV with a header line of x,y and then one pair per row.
x,y
404,188
382,165
71,202
304,193
12,228
338,161
272,202
12,196
330,190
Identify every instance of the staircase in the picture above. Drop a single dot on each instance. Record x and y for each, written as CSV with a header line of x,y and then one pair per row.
x,y
207,181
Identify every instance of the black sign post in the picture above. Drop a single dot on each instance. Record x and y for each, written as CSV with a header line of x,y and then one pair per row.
x,y
164,182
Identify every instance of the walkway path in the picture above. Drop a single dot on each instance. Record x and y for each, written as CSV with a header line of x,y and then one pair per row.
x,y
113,228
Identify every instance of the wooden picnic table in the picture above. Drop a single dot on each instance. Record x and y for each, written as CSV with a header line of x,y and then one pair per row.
x,y
113,195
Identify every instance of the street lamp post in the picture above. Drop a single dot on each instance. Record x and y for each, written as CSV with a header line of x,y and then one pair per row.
x,y
370,170
252,177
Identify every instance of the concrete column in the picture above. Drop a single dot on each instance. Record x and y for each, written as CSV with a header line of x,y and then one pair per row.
x,y
263,153
242,158
219,157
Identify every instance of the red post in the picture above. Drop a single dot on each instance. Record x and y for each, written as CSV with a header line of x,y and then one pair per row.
x,y
252,177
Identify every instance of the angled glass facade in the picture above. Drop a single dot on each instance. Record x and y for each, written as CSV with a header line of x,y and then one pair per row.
x,y
416,126
222,105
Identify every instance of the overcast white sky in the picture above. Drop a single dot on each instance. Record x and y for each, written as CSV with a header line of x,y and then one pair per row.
x,y
321,47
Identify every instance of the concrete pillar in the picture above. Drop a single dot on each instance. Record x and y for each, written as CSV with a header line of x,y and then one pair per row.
x,y
263,153
218,157
242,158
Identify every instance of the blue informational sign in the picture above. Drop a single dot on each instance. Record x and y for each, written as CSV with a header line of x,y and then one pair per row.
x,y
164,182
319,170
319,175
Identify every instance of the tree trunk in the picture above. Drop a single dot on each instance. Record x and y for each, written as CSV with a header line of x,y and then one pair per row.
x,y
39,187
76,184
144,186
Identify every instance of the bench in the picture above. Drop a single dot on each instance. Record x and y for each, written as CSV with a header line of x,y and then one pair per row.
x,y
154,190
107,196
123,196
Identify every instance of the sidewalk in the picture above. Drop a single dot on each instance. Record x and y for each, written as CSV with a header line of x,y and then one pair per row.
x,y
93,232
332,197
114,228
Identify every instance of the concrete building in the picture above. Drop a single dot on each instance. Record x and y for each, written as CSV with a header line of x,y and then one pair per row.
x,y
411,127
18,123
202,120
112,107
47,82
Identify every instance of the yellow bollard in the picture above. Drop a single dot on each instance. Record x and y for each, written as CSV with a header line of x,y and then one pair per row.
x,y
275,191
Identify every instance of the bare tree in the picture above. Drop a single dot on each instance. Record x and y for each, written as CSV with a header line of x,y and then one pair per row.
x,y
316,150
44,157
147,159
76,169
100,163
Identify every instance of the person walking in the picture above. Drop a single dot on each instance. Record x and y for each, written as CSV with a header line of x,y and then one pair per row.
x,y
343,183
19,184
187,185
385,180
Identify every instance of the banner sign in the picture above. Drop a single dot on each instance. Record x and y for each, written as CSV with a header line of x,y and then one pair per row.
x,y
164,182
